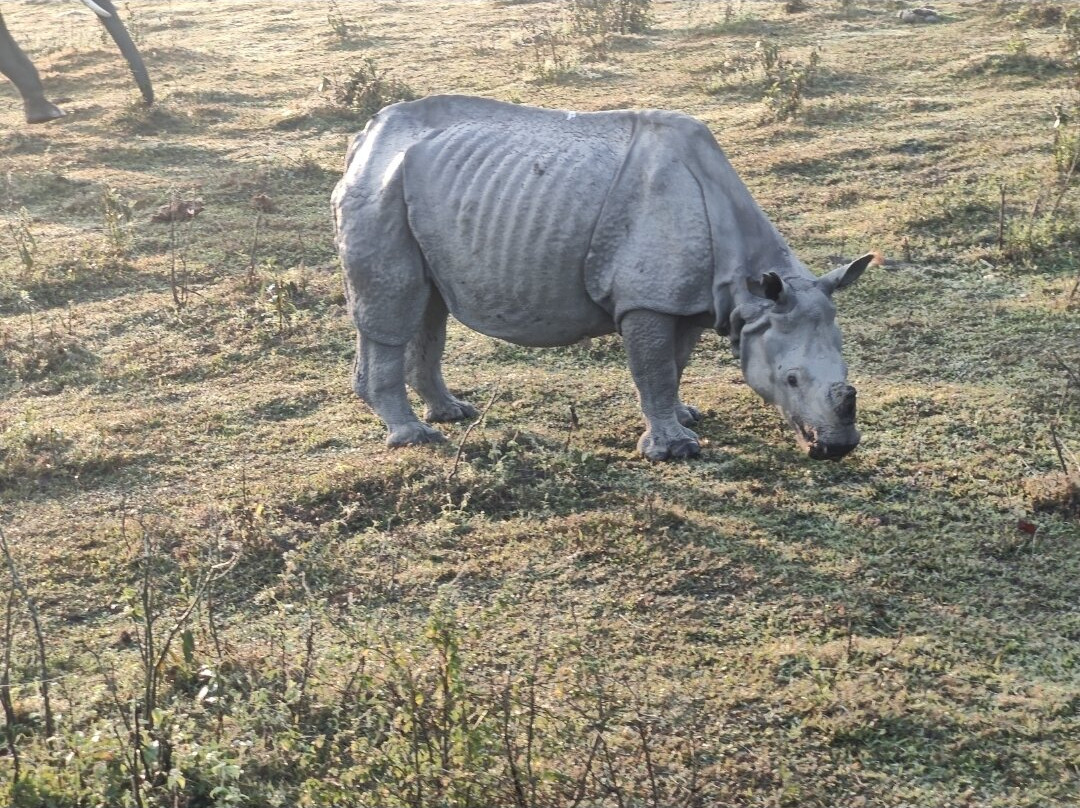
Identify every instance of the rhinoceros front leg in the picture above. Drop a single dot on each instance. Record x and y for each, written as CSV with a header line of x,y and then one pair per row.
x,y
17,66
686,338
652,348
379,379
423,366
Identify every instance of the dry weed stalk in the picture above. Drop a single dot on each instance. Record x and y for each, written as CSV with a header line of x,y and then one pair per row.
x,y
39,635
479,420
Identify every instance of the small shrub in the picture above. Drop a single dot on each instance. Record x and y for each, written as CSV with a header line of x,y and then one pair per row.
x,y
796,6
1066,146
599,18
116,212
278,304
1036,14
1070,35
51,355
735,19
1043,240
25,244
1055,492
790,81
32,450
366,90
783,80
339,25
550,48
1017,60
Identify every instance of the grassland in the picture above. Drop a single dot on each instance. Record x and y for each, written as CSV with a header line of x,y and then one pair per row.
x,y
206,522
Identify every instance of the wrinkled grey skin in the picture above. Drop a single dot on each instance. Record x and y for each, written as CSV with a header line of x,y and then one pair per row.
x,y
21,71
543,227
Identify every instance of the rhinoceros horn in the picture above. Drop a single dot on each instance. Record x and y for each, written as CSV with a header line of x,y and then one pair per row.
x,y
107,14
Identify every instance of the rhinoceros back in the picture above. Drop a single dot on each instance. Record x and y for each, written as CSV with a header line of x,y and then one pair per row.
x,y
504,211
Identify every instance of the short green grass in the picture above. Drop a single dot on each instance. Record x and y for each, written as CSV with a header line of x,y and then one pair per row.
x,y
530,615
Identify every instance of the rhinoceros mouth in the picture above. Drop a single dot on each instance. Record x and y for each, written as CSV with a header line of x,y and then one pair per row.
x,y
804,435
817,448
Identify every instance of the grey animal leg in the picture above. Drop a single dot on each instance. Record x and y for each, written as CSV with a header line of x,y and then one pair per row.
x,y
423,366
17,66
686,338
651,346
379,379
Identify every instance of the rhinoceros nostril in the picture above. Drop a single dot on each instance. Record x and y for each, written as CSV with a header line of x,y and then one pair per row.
x,y
843,400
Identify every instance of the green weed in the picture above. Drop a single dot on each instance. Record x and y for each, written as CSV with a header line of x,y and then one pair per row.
x,y
367,89
552,55
117,214
597,19
783,81
25,245
339,24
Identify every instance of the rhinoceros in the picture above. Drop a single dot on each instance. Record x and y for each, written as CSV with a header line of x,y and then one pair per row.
x,y
543,227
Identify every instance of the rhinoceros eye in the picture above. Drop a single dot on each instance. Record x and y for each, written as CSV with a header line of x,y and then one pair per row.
x,y
792,380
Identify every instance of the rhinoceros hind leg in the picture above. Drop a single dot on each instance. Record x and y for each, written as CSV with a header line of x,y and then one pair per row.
x,y
651,345
379,379
423,366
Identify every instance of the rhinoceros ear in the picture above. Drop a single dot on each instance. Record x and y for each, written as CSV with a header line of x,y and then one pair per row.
x,y
845,276
770,287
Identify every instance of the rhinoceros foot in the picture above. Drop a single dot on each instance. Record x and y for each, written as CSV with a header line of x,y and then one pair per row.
x,y
41,111
687,415
453,409
669,446
413,433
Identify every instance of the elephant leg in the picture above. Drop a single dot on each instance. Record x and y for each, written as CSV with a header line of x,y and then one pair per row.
x,y
686,338
21,71
651,346
423,366
379,379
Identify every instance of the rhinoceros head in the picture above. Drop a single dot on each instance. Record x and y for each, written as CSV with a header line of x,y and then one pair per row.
x,y
787,341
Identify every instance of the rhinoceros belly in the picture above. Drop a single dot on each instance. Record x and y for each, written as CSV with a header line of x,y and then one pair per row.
x,y
504,213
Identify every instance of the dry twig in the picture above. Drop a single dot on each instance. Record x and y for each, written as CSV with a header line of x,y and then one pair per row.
x,y
479,420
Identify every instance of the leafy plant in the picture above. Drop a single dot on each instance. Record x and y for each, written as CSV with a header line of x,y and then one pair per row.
x,y
366,89
599,18
1070,40
550,47
789,81
278,300
25,243
339,24
784,80
1066,144
117,213
1034,13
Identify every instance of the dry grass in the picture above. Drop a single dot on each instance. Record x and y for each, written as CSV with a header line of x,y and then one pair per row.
x,y
899,629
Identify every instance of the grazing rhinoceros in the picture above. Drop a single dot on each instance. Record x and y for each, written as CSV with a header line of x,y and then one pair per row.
x,y
543,227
